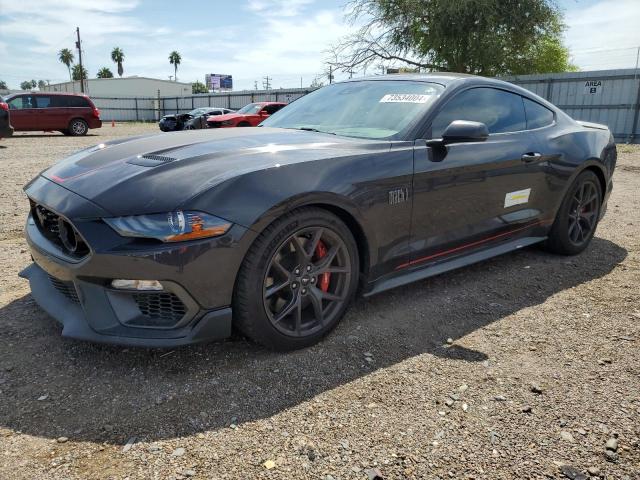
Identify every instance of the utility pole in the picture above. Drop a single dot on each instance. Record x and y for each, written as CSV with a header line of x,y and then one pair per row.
x,y
266,82
330,74
255,84
79,47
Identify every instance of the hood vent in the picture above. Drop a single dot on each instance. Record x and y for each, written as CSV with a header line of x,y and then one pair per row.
x,y
151,160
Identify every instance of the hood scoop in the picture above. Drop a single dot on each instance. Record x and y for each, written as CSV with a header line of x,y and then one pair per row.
x,y
151,160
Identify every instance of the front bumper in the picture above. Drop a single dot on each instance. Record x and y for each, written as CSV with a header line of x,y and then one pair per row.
x,y
89,314
197,279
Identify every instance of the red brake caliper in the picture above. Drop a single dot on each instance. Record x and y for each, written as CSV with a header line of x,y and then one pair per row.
x,y
323,280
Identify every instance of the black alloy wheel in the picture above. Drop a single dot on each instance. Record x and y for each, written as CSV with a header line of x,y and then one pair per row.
x,y
307,281
297,280
578,216
583,213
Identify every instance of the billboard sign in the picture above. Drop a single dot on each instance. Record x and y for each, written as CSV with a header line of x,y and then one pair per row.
x,y
215,81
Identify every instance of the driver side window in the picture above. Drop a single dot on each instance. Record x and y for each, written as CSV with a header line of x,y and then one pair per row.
x,y
499,110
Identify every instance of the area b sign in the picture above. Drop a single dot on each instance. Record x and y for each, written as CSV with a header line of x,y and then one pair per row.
x,y
591,87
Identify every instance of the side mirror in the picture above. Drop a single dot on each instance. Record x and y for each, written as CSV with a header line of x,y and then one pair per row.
x,y
264,113
460,131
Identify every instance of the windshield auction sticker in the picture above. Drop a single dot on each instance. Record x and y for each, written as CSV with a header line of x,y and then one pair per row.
x,y
405,98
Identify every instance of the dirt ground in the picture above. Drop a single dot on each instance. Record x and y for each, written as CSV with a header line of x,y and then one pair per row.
x,y
542,370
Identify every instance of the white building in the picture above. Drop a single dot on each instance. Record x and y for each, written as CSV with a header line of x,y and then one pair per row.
x,y
125,87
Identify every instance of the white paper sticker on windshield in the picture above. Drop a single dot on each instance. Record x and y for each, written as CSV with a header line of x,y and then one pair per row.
x,y
404,98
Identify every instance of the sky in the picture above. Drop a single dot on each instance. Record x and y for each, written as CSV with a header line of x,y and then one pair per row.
x,y
249,39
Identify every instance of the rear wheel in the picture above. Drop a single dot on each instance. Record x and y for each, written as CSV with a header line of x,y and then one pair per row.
x,y
577,219
78,127
297,280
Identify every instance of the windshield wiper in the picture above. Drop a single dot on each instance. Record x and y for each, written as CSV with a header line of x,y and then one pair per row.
x,y
310,129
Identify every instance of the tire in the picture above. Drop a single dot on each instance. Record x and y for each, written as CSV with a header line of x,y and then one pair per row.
x,y
284,297
577,218
244,124
78,127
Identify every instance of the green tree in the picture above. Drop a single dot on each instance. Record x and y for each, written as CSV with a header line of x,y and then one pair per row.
x,y
483,37
3,85
117,55
66,56
75,73
174,59
26,85
104,72
199,87
42,84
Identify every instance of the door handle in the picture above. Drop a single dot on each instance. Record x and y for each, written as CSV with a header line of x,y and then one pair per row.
x,y
531,157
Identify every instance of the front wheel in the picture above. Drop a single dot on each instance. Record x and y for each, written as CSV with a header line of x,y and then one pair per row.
x,y
297,280
578,216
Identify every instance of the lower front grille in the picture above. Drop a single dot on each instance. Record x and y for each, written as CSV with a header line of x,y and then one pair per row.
x,y
162,309
67,289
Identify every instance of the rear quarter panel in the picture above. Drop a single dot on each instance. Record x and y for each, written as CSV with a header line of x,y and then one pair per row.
x,y
573,148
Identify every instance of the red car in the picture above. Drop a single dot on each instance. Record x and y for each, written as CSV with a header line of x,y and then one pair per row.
x,y
68,113
248,116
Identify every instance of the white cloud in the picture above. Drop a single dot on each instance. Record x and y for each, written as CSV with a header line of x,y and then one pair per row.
x,y
288,44
604,35
278,8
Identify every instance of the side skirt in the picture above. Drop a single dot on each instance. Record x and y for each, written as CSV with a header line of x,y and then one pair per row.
x,y
447,265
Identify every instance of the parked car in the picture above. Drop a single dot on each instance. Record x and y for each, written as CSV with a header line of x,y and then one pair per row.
x,y
6,130
193,120
248,116
71,114
363,185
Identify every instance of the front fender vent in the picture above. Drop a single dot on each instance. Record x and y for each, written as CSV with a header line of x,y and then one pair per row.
x,y
151,160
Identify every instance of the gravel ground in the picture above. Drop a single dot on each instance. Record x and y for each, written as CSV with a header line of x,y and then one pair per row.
x,y
524,366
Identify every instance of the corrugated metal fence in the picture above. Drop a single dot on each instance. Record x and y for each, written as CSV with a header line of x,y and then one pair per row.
x,y
611,97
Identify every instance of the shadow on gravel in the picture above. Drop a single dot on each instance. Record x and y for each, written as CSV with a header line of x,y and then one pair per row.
x,y
48,135
109,394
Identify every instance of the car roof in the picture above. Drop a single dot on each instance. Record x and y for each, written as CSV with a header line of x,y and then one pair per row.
x,y
58,94
448,79
443,78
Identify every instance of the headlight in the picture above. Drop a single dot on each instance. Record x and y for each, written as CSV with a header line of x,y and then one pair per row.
x,y
170,227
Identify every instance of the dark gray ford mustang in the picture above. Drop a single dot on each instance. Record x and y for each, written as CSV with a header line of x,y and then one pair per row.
x,y
362,185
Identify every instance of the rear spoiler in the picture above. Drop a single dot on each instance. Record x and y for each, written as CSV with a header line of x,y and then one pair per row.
x,y
597,126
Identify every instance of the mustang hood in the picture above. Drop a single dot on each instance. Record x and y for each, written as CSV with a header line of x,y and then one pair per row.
x,y
159,173
226,116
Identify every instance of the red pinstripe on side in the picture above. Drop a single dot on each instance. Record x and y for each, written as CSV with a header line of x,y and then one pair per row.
x,y
472,244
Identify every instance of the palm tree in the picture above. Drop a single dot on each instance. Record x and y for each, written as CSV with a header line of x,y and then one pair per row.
x,y
117,55
174,59
79,73
66,56
104,72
